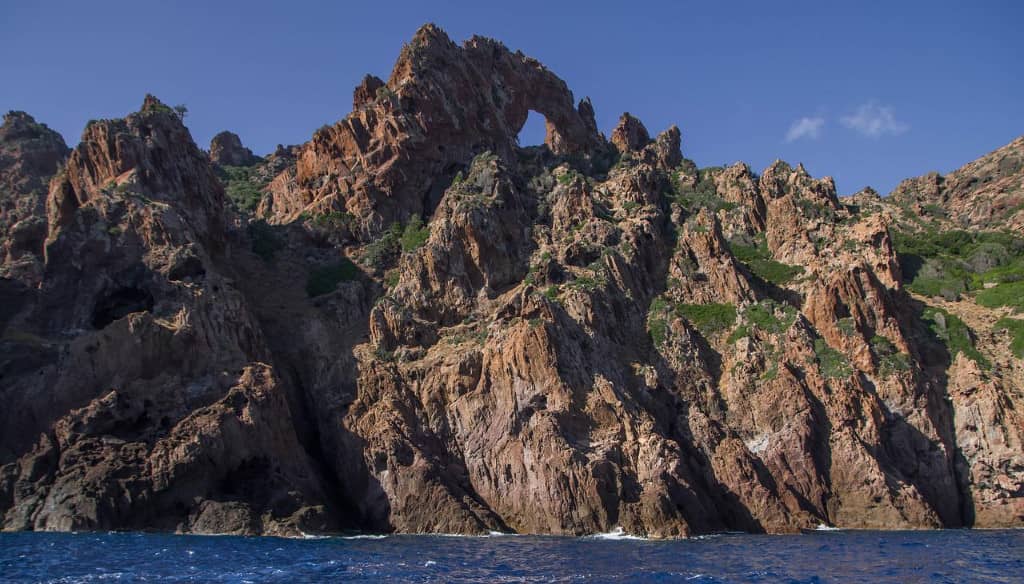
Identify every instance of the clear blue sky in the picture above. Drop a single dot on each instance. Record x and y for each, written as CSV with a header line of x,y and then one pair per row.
x,y
868,92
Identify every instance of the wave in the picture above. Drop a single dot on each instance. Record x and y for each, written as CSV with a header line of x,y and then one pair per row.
x,y
617,534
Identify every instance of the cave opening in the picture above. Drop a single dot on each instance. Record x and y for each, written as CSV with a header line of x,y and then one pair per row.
x,y
119,304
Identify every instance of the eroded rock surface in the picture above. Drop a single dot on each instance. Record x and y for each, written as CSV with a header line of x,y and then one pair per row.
x,y
30,153
426,328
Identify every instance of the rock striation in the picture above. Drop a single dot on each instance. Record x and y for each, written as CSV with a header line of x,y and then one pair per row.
x,y
419,326
30,153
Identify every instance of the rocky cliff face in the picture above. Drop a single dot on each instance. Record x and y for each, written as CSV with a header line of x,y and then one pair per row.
x,y
987,193
30,153
422,327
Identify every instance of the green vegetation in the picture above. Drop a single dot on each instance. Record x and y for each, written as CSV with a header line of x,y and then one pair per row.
x,y
551,293
816,210
951,263
890,360
587,283
657,324
264,240
325,279
334,219
1008,294
847,326
759,260
703,194
569,176
767,315
709,319
242,185
630,206
832,363
383,252
415,234
954,334
1016,328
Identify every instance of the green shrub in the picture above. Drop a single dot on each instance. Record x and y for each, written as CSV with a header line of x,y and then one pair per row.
x,y
832,363
709,319
335,219
415,234
763,315
1010,294
242,185
382,252
264,240
815,210
1016,328
775,272
568,177
847,326
325,279
630,206
703,194
954,333
657,324
949,263
587,283
758,259
890,360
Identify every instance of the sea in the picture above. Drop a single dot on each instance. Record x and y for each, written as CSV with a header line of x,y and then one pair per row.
x,y
821,556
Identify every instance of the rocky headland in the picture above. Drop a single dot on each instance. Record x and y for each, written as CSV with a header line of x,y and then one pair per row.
x,y
410,323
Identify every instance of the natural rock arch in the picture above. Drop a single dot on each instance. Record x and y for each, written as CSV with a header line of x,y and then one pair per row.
x,y
442,105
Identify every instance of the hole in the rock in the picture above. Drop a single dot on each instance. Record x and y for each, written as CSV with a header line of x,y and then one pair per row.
x,y
119,304
189,267
533,131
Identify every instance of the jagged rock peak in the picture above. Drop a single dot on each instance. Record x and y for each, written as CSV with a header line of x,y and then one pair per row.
x,y
150,152
226,149
630,135
19,124
366,91
30,154
393,155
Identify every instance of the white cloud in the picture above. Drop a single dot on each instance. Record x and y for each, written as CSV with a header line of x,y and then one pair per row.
x,y
805,128
874,120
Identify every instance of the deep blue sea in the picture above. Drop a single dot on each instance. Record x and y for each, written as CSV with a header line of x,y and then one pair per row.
x,y
835,556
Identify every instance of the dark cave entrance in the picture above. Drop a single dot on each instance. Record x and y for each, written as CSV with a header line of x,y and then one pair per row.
x,y
119,304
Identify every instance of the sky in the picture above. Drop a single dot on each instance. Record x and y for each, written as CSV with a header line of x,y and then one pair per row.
x,y
868,92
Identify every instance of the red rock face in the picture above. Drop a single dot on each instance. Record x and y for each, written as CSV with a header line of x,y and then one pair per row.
x,y
430,329
397,151
30,153
987,193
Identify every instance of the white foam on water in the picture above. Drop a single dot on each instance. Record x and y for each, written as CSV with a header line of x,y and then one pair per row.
x,y
364,536
823,527
430,563
617,533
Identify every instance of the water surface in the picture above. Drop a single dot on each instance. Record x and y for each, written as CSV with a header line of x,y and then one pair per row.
x,y
861,556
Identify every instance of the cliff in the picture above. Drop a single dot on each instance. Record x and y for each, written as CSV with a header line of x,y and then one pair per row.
x,y
410,323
